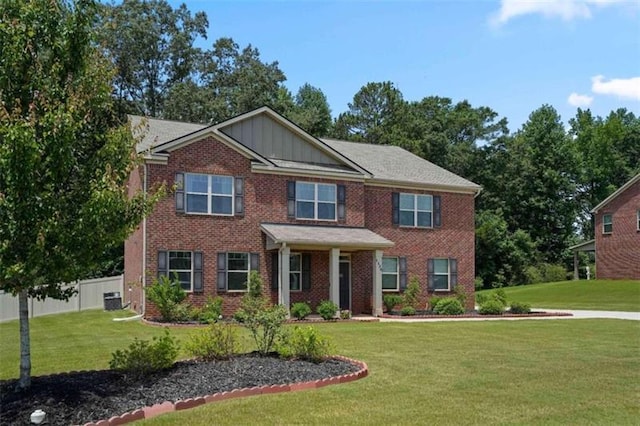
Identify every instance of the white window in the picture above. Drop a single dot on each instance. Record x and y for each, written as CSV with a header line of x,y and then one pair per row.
x,y
315,201
295,272
390,275
416,210
209,194
180,266
237,271
607,224
441,275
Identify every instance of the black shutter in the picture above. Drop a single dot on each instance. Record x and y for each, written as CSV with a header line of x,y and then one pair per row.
x,y
402,270
180,198
430,275
275,270
222,272
342,198
163,264
437,208
291,199
306,272
254,262
395,207
239,197
453,273
198,286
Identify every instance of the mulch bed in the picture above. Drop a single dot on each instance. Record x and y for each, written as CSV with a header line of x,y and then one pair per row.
x,y
90,396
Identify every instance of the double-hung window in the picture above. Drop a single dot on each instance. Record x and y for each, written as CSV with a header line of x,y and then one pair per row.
x,y
607,223
416,210
183,266
295,272
442,274
209,194
316,201
237,271
390,275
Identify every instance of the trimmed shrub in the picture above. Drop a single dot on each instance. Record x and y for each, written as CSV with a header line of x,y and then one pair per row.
x,y
167,295
143,357
300,310
212,310
449,306
411,294
481,298
491,307
304,343
408,311
265,327
433,302
218,341
520,308
390,301
327,309
500,296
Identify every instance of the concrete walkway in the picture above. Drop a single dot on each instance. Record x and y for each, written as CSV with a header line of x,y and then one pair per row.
x,y
576,315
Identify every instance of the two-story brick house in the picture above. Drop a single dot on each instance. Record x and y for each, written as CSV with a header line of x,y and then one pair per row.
x,y
318,218
617,233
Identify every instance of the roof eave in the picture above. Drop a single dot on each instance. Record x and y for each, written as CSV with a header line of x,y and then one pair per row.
x,y
471,189
615,194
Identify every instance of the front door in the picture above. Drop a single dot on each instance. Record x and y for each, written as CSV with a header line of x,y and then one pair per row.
x,y
345,285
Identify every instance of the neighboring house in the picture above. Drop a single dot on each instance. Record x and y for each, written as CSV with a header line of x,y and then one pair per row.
x,y
318,218
617,233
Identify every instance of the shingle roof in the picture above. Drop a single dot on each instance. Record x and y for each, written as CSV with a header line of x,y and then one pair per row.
x,y
386,163
330,236
394,164
158,131
617,192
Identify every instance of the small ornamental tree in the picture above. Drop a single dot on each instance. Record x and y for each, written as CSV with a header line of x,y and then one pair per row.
x,y
65,157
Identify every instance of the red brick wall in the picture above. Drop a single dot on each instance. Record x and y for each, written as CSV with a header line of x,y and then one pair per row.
x,y
454,239
618,253
265,201
133,253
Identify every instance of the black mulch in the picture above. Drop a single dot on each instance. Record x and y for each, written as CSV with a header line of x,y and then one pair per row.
x,y
81,397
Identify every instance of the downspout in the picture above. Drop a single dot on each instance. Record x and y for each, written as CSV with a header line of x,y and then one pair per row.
x,y
143,278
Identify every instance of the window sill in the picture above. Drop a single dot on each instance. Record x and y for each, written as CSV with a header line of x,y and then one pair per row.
x,y
389,290
207,214
415,227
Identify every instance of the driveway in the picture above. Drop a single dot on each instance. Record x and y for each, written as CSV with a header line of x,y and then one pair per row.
x,y
576,314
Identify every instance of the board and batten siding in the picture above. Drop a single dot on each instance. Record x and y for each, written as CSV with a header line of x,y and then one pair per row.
x,y
271,140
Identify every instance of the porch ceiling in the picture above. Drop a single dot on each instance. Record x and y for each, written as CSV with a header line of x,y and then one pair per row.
x,y
323,237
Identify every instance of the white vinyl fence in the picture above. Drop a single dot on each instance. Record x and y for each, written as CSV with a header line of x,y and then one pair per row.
x,y
89,296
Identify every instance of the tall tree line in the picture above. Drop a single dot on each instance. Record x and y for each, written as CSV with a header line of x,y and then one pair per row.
x,y
539,181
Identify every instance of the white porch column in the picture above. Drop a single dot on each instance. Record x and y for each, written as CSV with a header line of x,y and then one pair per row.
x,y
377,283
283,278
334,275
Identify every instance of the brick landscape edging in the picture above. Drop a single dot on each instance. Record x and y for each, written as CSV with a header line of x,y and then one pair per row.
x,y
185,404
288,322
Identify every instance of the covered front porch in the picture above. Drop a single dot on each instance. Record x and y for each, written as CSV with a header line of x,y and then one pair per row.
x,y
346,265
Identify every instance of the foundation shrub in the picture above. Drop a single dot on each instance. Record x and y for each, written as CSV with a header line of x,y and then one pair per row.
x,y
491,307
390,301
327,310
449,306
519,308
300,310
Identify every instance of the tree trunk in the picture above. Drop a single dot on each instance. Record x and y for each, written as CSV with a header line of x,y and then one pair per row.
x,y
25,343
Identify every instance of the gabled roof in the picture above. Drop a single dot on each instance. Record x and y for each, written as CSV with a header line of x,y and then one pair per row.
x,y
324,236
617,192
394,165
384,165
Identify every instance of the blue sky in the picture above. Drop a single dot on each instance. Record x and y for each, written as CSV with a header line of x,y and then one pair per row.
x,y
512,56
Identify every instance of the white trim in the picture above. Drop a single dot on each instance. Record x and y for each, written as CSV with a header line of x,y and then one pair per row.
x,y
385,183
209,194
169,270
299,271
248,271
415,210
448,274
290,171
397,274
604,232
316,202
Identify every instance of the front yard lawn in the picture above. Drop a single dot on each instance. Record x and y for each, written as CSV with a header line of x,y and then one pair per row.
x,y
495,372
599,295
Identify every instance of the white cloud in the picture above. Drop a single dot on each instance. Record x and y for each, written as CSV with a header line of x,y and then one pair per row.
x,y
623,88
565,9
579,101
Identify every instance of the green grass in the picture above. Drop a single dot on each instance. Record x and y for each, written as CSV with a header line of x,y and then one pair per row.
x,y
495,372
601,295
